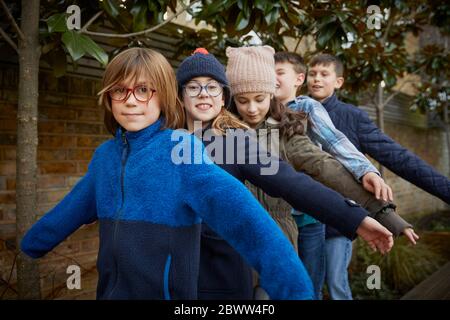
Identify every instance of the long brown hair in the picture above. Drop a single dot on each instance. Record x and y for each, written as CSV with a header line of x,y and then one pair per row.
x,y
291,122
153,66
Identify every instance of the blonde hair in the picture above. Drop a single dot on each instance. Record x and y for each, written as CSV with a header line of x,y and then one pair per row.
x,y
226,120
132,64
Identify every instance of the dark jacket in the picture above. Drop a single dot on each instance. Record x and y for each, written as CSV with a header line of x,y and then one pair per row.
x,y
150,207
223,273
368,138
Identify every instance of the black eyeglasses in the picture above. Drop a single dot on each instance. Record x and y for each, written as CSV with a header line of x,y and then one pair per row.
x,y
194,88
141,93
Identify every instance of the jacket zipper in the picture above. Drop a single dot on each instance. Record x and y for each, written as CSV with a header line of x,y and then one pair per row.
x,y
166,277
125,152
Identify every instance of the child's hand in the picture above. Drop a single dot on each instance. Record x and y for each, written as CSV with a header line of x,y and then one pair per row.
x,y
376,185
375,235
411,235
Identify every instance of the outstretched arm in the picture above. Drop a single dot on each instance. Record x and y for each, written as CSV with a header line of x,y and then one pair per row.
x,y
305,194
301,191
77,208
333,141
230,210
400,160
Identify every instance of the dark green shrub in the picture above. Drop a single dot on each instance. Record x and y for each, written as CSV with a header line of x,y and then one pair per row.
x,y
401,269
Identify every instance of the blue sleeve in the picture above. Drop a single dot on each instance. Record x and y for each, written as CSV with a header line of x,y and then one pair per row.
x,y
77,208
400,160
301,191
230,209
337,144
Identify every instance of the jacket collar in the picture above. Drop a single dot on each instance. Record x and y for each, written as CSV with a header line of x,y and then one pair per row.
x,y
292,103
268,123
331,102
298,99
139,138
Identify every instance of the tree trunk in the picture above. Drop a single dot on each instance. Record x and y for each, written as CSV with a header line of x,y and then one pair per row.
x,y
28,282
380,117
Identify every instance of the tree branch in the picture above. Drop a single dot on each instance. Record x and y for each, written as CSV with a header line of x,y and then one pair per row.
x,y
298,43
9,40
392,96
98,14
396,92
402,85
143,32
388,27
12,20
371,93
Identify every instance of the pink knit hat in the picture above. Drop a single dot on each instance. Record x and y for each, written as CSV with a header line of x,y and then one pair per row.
x,y
251,69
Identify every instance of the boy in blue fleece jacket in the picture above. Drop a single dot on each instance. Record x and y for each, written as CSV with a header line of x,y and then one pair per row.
x,y
150,207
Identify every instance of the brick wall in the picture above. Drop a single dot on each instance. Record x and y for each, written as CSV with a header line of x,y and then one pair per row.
x,y
70,128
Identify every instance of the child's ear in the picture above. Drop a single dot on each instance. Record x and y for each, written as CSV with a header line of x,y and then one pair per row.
x,y
300,79
339,82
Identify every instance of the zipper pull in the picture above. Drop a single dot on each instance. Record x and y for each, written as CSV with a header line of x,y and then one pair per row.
x,y
125,148
124,138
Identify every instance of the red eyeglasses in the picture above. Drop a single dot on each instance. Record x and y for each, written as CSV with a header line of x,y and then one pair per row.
x,y
141,93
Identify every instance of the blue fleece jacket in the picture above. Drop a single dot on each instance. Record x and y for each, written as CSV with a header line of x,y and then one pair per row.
x,y
150,211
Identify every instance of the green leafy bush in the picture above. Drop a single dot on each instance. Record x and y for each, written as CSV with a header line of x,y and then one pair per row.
x,y
401,269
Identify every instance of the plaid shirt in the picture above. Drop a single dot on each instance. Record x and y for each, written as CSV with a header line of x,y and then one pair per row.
x,y
324,133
